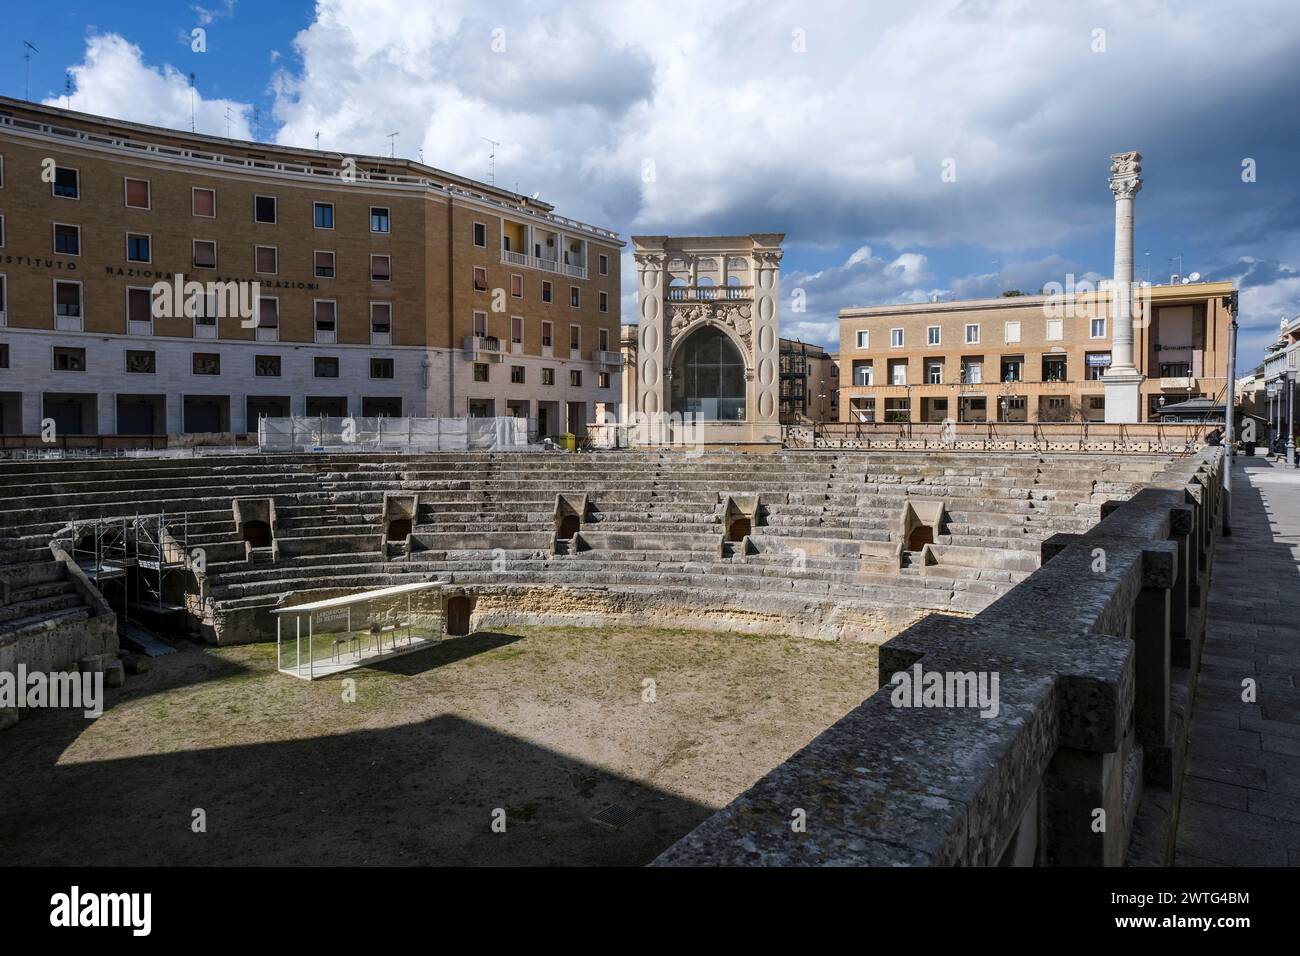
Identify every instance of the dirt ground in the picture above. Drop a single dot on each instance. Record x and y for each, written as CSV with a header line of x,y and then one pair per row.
x,y
548,725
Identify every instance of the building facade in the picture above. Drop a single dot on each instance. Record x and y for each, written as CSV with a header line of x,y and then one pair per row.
x,y
809,379
708,321
383,286
1281,369
1039,358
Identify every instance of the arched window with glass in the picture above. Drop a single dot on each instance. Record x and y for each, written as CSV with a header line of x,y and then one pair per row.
x,y
709,377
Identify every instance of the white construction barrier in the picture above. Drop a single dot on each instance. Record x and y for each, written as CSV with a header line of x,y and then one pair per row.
x,y
321,433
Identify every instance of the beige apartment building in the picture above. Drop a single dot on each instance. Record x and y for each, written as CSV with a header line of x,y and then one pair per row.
x,y
1034,358
383,286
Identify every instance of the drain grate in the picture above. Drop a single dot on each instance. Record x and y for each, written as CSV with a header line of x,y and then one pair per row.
x,y
614,816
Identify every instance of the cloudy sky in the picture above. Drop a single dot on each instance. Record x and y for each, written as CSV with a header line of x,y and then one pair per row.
x,y
910,149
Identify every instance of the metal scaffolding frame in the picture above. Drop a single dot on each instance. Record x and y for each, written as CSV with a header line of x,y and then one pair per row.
x,y
154,546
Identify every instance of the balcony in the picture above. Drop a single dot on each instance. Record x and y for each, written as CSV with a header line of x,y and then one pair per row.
x,y
68,323
325,337
139,326
482,348
205,328
709,293
268,333
1177,383
381,338
545,265
607,360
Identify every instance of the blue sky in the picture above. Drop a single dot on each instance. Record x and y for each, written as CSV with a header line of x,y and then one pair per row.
x,y
832,122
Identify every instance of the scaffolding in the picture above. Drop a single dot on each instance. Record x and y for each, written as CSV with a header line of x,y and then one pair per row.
x,y
142,554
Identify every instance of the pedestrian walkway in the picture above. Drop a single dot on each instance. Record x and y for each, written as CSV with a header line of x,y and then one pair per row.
x,y
1241,786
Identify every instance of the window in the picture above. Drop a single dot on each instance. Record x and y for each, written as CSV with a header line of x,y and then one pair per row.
x,y
862,372
1096,364
139,307
324,265
575,297
381,368
379,221
516,330
973,333
1175,370
480,325
1012,368
480,279
322,215
141,362
934,373
67,239
1097,403
898,372
1011,332
137,193
69,360
381,268
547,333
4,355
137,247
972,372
548,376
517,286
604,302
325,366
324,315
575,337
205,254
203,202
516,374
575,378
895,338
1054,330
481,371
381,319
264,209
206,363
266,366
67,183
67,299
602,380
1054,368
2,232
932,334
1097,328
547,294
266,260
602,340
268,317
603,264
480,235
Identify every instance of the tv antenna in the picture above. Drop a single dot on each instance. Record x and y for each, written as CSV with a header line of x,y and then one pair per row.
x,y
227,122
191,102
67,90
27,68
317,140
257,123
1179,259
392,145
492,160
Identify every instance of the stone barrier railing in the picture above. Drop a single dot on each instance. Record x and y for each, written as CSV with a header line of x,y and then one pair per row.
x,y
1064,748
1013,436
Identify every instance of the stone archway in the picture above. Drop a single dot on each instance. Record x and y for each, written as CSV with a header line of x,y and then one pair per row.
x,y
709,375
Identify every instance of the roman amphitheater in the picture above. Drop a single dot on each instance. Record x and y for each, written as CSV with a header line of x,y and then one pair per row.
x,y
640,656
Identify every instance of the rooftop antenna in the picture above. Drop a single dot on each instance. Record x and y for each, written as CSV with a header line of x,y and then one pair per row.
x,y
318,140
27,68
191,102
1179,273
392,145
67,90
492,160
419,151
227,122
257,123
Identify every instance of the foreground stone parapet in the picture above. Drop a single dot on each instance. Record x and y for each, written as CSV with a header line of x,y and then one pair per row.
x,y
1081,732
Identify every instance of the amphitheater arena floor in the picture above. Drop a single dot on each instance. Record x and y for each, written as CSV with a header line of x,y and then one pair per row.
x,y
548,724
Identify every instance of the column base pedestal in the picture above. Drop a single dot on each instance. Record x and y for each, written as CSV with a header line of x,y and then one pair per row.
x,y
1123,397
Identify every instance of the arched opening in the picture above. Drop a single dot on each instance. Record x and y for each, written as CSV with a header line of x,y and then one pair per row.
x,y
738,528
569,526
677,290
398,529
921,535
257,534
458,611
735,288
704,287
709,377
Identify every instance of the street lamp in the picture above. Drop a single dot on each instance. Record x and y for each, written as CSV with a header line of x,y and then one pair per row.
x,y
1290,416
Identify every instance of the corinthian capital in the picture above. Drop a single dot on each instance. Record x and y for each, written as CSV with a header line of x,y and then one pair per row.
x,y
1125,174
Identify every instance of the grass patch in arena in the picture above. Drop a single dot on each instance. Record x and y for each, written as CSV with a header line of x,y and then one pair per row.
x,y
553,725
